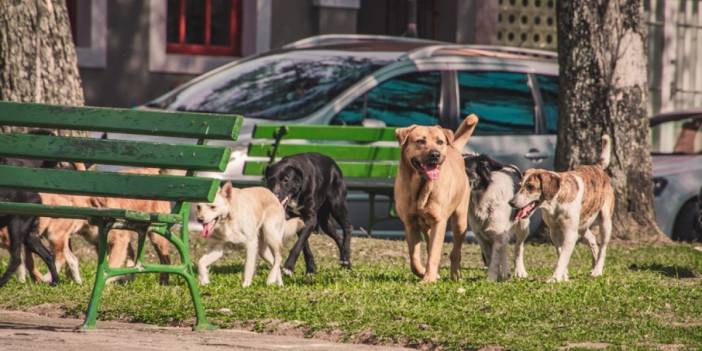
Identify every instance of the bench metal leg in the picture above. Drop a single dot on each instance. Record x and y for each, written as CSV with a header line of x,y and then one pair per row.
x,y
185,270
100,277
201,322
371,214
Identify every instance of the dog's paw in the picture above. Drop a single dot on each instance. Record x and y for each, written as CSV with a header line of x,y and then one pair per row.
x,y
246,284
204,280
520,274
596,273
345,264
558,279
287,272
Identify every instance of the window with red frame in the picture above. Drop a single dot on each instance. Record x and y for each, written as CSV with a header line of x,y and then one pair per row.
x,y
204,27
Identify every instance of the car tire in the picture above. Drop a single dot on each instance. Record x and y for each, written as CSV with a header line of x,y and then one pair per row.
x,y
684,229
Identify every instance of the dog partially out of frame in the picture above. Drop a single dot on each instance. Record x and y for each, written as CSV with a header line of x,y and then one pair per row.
x,y
253,217
572,202
493,185
431,187
58,231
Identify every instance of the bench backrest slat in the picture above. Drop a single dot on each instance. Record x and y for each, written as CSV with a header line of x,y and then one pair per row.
x,y
317,132
349,146
335,151
138,186
118,120
348,169
114,152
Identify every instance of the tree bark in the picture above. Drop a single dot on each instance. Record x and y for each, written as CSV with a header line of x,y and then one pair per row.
x,y
38,60
603,90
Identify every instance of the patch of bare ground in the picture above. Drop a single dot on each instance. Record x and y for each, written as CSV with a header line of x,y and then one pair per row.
x,y
54,310
588,345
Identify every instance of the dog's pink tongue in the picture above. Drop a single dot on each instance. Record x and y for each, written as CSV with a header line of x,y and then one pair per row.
x,y
207,229
432,173
524,211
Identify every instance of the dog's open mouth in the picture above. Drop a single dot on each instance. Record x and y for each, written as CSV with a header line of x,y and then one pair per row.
x,y
208,227
430,170
526,211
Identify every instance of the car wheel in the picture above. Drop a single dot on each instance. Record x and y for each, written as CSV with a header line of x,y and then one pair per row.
x,y
684,229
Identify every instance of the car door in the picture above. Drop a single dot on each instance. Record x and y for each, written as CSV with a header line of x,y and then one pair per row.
x,y
507,107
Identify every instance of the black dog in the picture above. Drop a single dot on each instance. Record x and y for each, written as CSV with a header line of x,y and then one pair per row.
x,y
311,186
22,230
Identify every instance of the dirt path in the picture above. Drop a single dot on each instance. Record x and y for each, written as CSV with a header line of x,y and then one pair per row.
x,y
21,331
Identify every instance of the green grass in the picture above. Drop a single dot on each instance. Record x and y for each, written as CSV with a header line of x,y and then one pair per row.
x,y
649,297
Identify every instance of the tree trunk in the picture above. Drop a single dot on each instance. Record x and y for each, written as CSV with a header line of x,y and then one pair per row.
x,y
603,90
37,57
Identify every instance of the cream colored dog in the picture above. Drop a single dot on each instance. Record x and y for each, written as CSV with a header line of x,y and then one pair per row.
x,y
253,217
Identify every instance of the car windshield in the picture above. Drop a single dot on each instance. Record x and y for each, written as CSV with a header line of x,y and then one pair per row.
x,y
681,137
282,86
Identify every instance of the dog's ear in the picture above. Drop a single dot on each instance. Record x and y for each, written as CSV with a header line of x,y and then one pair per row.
x,y
401,134
227,190
493,164
550,183
449,135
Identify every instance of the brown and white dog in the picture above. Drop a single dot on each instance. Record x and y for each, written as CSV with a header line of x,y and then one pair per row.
x,y
431,187
572,202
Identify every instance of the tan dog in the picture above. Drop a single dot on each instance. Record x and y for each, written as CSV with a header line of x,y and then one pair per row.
x,y
571,202
59,230
431,187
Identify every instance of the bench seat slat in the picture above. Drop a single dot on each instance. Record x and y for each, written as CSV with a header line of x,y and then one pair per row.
x,y
335,151
321,132
119,120
349,169
86,212
114,152
138,186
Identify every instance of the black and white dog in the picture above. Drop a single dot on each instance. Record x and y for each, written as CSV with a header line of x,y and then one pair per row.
x,y
311,186
491,218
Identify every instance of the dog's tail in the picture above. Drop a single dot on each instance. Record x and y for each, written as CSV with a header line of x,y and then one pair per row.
x,y
464,132
606,152
292,226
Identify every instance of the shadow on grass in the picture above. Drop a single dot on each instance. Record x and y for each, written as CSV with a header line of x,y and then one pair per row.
x,y
668,271
230,268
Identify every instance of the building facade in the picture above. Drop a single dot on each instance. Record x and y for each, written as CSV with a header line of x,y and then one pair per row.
x,y
130,52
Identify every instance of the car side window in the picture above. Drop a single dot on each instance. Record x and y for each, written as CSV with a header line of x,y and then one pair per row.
x,y
502,100
398,102
548,85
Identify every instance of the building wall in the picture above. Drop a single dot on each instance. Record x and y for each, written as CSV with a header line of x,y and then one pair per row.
x,y
126,80
291,20
127,77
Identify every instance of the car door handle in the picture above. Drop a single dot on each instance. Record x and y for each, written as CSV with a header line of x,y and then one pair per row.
x,y
535,155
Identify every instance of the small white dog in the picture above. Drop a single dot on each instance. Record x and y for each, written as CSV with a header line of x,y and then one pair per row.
x,y
253,217
490,216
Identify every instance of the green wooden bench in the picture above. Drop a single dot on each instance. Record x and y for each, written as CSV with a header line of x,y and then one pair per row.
x,y
368,157
179,189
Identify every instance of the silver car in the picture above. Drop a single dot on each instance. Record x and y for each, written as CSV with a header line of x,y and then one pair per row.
x,y
389,81
677,171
